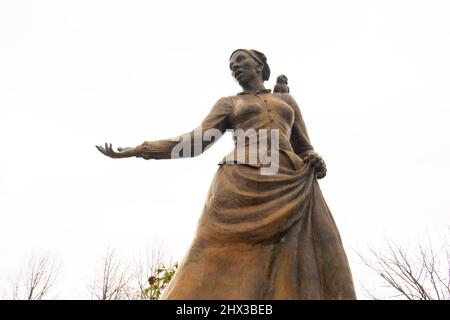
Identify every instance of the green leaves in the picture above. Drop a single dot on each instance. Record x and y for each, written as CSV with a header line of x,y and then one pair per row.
x,y
159,281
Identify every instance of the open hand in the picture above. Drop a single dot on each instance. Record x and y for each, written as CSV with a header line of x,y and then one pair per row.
x,y
317,163
108,150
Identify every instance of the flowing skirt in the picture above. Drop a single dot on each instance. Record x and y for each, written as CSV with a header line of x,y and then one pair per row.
x,y
264,237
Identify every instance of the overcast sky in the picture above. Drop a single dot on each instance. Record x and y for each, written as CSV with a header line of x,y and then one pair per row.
x,y
372,79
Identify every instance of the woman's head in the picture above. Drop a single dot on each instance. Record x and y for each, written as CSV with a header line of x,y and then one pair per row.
x,y
249,66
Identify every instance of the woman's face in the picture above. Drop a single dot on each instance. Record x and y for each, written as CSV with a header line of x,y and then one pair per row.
x,y
244,68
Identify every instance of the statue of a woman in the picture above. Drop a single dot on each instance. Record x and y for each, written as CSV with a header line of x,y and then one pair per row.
x,y
261,235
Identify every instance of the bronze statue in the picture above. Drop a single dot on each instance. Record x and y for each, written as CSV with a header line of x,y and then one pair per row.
x,y
261,235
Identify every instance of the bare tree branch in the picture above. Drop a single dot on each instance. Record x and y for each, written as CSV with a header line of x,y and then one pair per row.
x,y
145,268
114,280
36,280
118,282
419,277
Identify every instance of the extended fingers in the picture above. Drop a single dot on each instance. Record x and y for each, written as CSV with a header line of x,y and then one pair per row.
x,y
107,150
101,149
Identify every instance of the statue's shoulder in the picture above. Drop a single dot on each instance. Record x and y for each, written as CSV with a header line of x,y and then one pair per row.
x,y
228,100
225,103
286,97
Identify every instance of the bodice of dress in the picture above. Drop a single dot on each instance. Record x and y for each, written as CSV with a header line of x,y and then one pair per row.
x,y
249,116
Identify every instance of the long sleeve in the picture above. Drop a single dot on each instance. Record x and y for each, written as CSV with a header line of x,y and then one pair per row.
x,y
192,143
299,135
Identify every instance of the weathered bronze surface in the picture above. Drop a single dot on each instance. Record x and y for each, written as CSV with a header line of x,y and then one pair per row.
x,y
259,236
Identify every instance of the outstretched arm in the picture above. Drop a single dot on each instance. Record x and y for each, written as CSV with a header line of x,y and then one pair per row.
x,y
300,140
183,146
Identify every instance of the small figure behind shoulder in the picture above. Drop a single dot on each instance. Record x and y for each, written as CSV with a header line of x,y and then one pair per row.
x,y
282,84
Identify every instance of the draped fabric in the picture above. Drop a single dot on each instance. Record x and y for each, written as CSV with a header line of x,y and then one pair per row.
x,y
261,236
264,237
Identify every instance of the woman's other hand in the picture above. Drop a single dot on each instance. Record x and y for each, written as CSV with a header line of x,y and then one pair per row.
x,y
108,150
317,162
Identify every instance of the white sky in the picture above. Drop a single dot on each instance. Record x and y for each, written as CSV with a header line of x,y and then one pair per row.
x,y
372,79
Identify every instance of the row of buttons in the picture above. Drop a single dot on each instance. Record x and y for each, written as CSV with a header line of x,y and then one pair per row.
x,y
269,110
